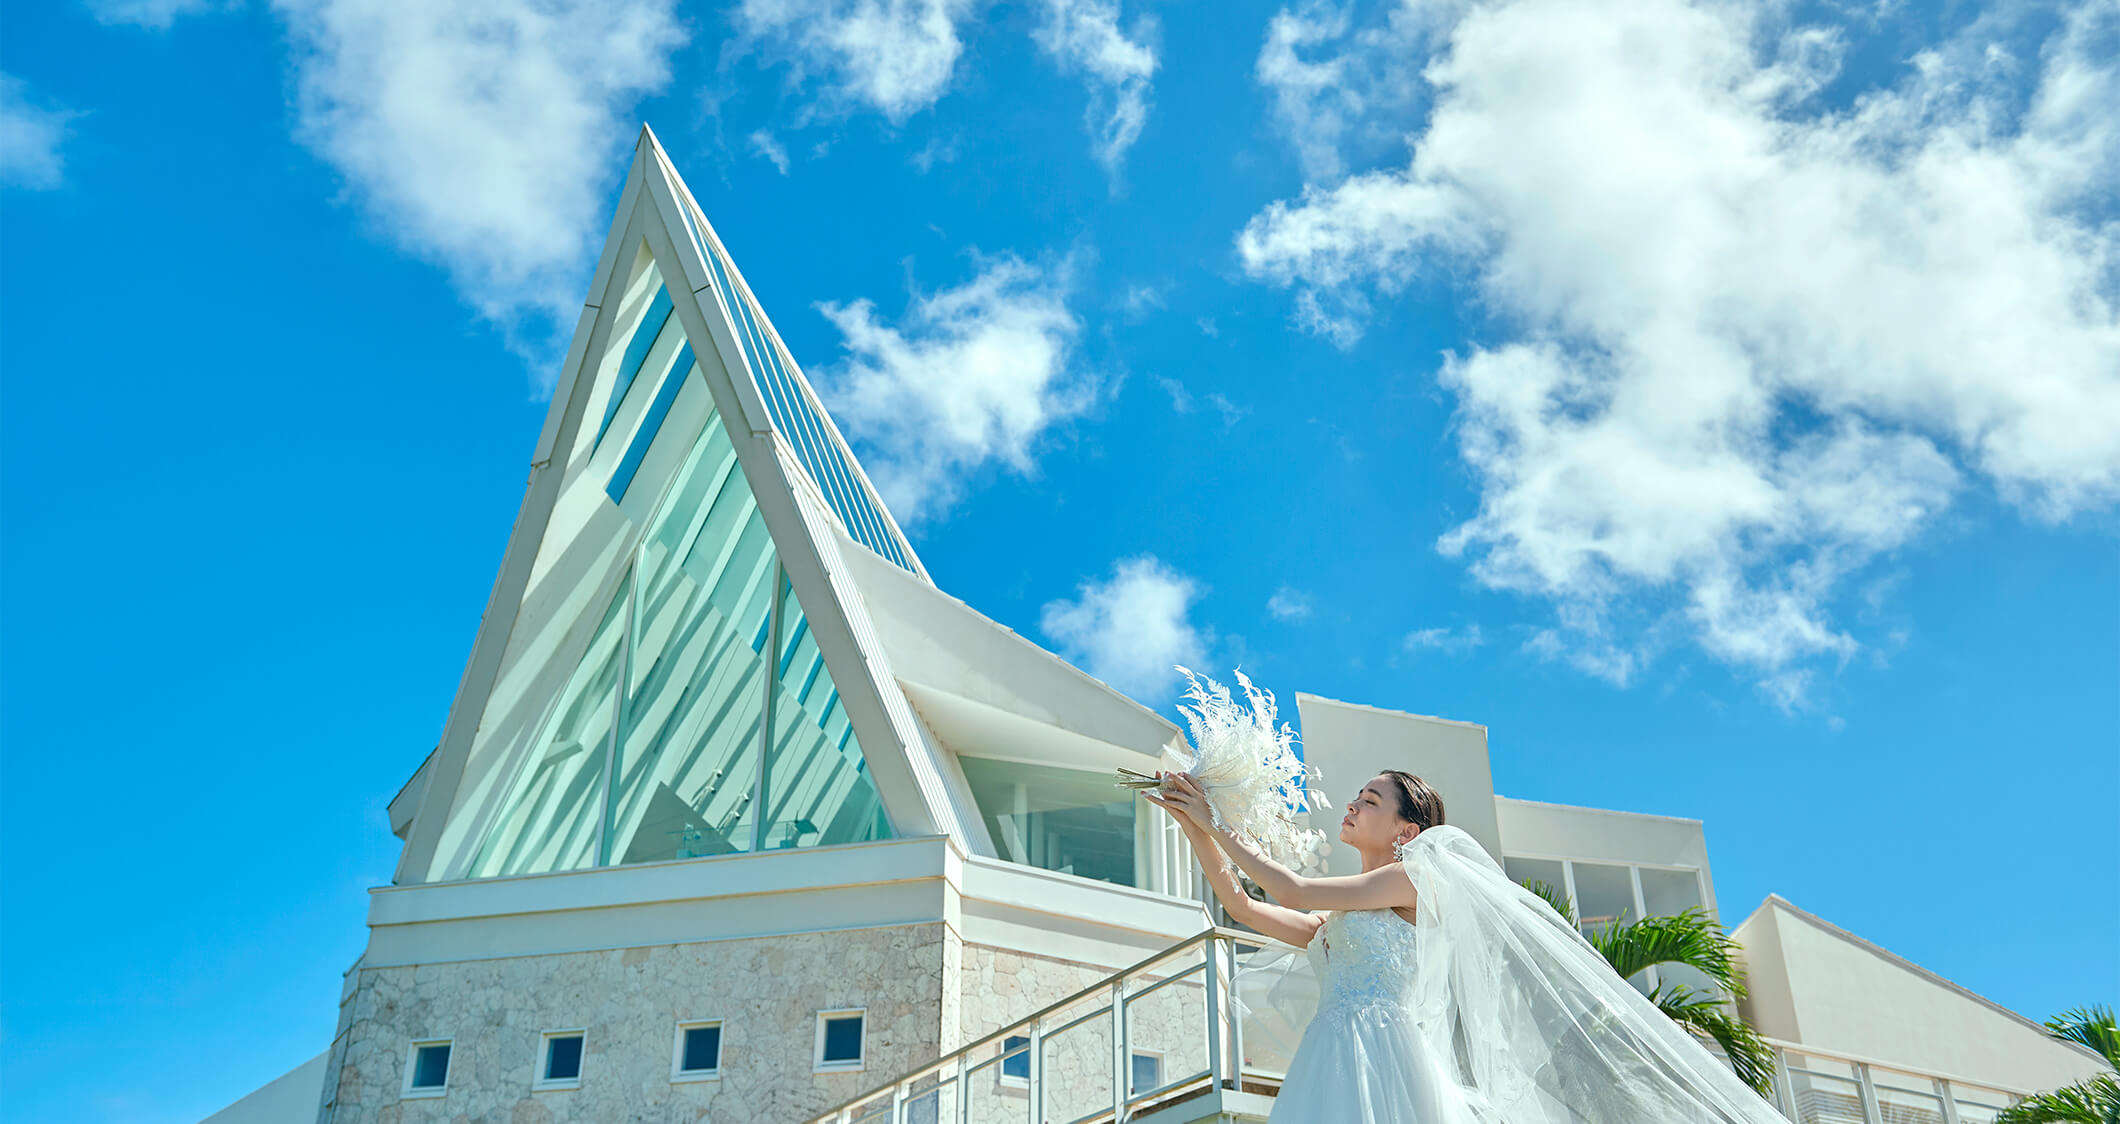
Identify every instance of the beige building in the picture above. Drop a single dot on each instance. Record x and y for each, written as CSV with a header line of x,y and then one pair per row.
x,y
736,816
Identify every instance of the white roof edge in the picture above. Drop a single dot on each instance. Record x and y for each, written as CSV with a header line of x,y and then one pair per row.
x,y
1776,900
1303,697
927,588
410,795
1499,798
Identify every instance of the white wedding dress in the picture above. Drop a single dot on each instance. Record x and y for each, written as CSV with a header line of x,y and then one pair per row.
x,y
1362,1060
1491,1010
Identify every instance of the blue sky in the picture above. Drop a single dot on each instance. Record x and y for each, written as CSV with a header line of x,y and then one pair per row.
x,y
1722,404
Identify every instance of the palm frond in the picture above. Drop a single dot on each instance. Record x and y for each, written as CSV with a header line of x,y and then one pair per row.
x,y
2096,1101
1708,1015
2090,1026
1553,896
1691,938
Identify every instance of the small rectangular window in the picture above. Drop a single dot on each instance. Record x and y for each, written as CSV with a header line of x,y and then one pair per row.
x,y
697,1054
1147,1072
1015,1061
839,1039
559,1064
427,1068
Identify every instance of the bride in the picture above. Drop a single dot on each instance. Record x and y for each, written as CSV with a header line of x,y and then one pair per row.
x,y
1450,994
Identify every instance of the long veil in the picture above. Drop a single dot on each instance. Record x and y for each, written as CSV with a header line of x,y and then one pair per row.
x,y
1533,1023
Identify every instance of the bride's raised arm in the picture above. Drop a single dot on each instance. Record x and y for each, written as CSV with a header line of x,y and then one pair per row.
x,y
1384,887
1279,922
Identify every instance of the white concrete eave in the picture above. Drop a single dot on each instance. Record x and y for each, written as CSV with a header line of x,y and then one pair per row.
x,y
406,804
898,882
986,691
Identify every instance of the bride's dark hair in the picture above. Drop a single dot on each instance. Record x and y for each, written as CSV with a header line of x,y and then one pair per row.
x,y
1418,803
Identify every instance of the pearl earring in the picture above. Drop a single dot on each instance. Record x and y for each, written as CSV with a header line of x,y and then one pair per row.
x,y
1403,848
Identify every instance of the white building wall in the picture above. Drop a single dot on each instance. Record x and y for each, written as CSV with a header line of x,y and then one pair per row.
x,y
1598,835
1821,986
286,1099
1349,743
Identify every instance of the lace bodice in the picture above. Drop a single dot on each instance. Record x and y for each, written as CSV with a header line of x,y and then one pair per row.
x,y
1364,957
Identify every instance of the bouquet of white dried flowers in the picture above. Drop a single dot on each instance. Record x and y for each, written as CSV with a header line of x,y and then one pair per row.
x,y
1244,758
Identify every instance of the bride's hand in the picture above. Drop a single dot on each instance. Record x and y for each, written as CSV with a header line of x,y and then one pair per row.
x,y
1183,797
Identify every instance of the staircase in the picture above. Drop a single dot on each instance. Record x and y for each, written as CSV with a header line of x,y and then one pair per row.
x,y
1161,1042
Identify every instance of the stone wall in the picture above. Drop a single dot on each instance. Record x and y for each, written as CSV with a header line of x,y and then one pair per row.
x,y
766,990
1002,986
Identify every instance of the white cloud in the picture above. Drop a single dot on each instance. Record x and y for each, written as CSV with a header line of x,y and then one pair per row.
x,y
1289,604
1336,85
1182,400
971,375
30,136
156,14
483,135
762,143
894,55
1747,343
1083,36
1140,300
1131,629
1444,639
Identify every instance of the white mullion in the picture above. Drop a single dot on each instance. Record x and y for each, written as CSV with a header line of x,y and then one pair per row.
x,y
759,792
1641,912
606,797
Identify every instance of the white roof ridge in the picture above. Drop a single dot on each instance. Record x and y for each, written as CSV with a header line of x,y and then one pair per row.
x,y
1872,946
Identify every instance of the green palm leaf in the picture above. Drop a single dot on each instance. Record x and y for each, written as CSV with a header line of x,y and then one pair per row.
x,y
1691,938
1709,1016
2096,1101
1695,939
2089,1026
1553,896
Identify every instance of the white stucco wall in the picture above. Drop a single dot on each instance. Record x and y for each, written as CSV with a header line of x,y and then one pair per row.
x,y
290,1098
1821,986
1529,827
1349,743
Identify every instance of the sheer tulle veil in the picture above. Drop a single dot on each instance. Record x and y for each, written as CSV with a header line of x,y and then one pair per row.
x,y
1532,1022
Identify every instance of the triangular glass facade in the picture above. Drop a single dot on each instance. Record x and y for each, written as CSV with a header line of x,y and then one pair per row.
x,y
700,718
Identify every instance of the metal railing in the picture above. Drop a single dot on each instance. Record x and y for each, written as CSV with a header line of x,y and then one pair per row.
x,y
1813,1086
1183,995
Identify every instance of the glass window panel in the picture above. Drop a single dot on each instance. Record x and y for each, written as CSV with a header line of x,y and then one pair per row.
x,y
1905,1098
842,1039
430,1067
1147,1073
818,789
644,336
1604,895
695,682
702,1049
1016,1057
1826,1100
1667,893
1548,871
563,1058
548,820
1983,1110
651,424
1067,820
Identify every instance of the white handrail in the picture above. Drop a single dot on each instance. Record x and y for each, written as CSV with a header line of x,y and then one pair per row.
x,y
954,1069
